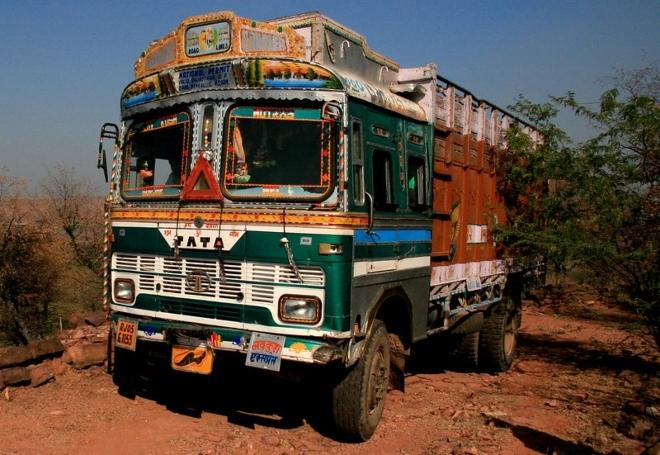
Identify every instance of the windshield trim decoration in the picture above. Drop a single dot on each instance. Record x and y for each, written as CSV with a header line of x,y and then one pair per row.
x,y
235,180
162,191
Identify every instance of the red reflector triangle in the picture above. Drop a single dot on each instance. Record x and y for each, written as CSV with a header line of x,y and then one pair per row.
x,y
201,184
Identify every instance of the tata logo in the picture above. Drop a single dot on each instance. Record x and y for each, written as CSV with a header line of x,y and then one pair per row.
x,y
198,281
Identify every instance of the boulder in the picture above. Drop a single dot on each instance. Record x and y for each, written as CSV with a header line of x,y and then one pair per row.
x,y
96,319
14,355
48,347
41,374
15,375
84,355
59,367
18,355
66,357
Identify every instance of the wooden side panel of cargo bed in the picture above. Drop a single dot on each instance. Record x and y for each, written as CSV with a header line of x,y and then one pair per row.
x,y
465,201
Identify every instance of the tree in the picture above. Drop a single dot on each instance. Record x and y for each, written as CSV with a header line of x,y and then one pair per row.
x,y
75,219
76,210
593,206
26,272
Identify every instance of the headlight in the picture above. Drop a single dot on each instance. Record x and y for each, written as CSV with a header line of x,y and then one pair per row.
x,y
124,290
300,309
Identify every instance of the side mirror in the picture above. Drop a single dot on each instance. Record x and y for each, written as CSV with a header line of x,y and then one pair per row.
x,y
331,111
108,131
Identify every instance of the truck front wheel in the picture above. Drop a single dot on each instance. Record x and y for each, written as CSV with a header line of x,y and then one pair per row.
x,y
359,397
498,337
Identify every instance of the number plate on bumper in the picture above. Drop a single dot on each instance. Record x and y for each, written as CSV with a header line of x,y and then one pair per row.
x,y
265,351
126,336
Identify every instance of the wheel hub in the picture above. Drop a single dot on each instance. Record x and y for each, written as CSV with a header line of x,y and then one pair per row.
x,y
377,384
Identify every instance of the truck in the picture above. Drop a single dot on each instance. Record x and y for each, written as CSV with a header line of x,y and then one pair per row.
x,y
279,190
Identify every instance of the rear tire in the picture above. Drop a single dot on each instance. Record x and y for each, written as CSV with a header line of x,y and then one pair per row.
x,y
498,340
359,397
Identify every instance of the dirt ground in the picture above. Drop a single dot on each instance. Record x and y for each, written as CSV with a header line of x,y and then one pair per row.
x,y
585,381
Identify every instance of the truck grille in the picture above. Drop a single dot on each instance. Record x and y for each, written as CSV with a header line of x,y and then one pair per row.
x,y
228,284
201,309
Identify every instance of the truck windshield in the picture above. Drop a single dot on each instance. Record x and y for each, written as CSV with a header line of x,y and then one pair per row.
x,y
277,154
155,157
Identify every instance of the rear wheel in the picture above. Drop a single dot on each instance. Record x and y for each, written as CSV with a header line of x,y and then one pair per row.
x,y
498,338
359,397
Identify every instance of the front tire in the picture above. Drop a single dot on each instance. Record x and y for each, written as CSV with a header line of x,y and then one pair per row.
x,y
467,351
359,397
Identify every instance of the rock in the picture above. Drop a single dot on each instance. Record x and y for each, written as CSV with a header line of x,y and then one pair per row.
x,y
78,334
59,367
494,414
654,450
639,429
2,382
652,411
40,374
48,347
636,407
581,396
552,403
15,375
624,374
531,367
272,441
75,320
96,319
66,357
14,355
87,354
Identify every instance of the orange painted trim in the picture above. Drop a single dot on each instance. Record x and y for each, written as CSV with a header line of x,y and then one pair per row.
x,y
237,217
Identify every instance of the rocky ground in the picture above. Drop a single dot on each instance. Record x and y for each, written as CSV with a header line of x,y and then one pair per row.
x,y
586,380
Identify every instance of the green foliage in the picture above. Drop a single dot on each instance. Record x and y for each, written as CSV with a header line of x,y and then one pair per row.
x,y
26,281
75,212
26,275
592,205
50,252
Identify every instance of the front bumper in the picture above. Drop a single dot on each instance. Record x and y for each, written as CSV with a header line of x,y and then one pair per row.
x,y
297,349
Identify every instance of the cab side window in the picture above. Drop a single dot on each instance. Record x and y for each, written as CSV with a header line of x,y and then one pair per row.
x,y
416,183
383,180
358,162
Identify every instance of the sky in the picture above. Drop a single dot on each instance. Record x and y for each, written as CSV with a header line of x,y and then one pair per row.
x,y
64,64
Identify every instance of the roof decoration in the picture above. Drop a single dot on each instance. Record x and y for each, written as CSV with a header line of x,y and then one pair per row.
x,y
215,36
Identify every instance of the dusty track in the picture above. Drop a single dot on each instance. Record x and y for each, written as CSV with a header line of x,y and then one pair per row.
x,y
586,381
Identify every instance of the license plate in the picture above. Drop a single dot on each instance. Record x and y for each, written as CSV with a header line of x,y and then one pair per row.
x,y
126,334
265,351
192,359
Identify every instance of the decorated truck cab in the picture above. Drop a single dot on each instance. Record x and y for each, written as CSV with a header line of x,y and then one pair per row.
x,y
280,190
